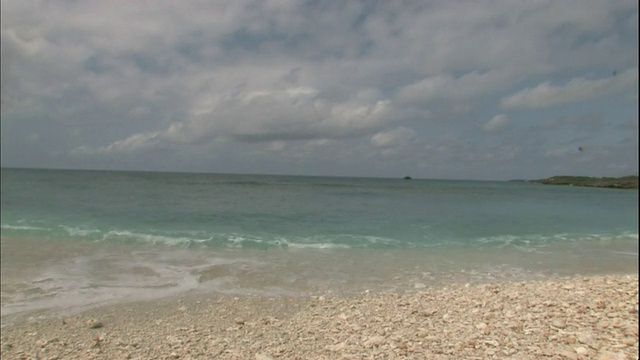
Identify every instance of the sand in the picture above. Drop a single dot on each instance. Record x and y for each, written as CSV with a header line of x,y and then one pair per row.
x,y
593,317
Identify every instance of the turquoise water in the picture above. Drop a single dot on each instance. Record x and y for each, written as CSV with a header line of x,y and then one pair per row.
x,y
217,211
290,234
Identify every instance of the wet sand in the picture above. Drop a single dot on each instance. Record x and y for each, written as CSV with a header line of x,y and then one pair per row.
x,y
64,276
557,318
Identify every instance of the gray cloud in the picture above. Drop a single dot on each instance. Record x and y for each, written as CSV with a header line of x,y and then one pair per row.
x,y
120,86
578,89
393,138
496,123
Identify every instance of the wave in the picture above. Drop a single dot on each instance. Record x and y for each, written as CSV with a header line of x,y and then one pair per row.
x,y
153,239
246,241
317,246
238,240
23,227
539,242
311,245
79,231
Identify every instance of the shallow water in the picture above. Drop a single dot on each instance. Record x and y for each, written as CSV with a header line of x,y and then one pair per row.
x,y
75,239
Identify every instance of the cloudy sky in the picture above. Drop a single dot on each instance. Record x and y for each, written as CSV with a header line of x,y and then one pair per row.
x,y
435,89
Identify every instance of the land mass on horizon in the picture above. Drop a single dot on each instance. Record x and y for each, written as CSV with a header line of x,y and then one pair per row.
x,y
624,182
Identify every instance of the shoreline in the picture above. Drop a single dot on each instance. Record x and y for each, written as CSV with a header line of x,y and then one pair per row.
x,y
624,182
573,318
51,277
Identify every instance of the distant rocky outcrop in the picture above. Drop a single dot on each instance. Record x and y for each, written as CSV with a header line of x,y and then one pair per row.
x,y
625,182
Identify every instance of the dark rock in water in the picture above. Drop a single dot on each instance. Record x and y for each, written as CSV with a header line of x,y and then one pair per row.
x,y
407,177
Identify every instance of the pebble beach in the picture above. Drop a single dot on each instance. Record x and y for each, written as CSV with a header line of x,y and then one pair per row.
x,y
594,317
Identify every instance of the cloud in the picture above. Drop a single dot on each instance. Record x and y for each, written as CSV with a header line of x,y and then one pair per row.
x,y
392,138
132,143
291,114
240,78
446,87
578,89
266,116
496,123
576,122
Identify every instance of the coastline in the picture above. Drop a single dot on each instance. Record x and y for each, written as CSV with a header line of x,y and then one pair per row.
x,y
572,318
625,182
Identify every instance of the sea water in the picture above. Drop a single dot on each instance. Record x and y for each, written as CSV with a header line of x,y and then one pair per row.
x,y
72,239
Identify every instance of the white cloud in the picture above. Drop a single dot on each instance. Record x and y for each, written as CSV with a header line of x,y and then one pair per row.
x,y
266,116
392,138
131,144
578,89
292,76
496,123
446,87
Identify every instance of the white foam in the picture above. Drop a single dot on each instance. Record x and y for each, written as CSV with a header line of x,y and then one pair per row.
x,y
77,231
538,240
104,278
299,243
151,238
379,240
319,246
626,253
23,227
239,239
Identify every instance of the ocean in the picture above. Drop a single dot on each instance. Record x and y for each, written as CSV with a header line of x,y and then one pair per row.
x,y
75,239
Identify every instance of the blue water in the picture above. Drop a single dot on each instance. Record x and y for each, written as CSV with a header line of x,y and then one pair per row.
x,y
300,232
283,211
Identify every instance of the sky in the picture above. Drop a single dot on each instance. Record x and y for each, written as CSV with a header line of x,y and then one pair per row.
x,y
487,90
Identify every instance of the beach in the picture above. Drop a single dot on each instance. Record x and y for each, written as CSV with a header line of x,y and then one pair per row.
x,y
134,265
592,317
274,180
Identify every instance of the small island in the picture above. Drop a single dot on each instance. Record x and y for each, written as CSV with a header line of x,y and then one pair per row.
x,y
625,182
